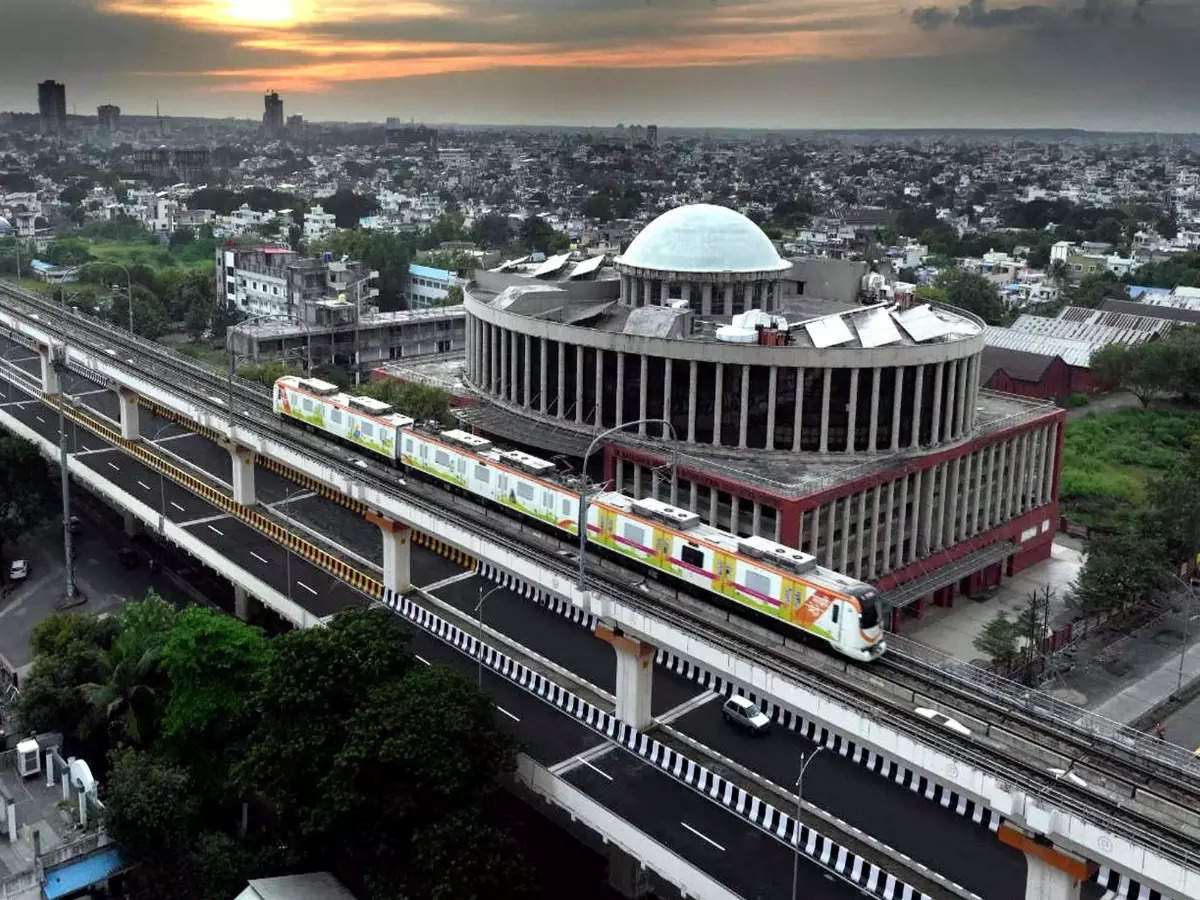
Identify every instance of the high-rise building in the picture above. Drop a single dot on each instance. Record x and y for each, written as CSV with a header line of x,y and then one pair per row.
x,y
652,135
109,117
273,113
52,106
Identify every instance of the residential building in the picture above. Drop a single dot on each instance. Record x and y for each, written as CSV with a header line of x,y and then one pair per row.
x,y
429,286
109,117
318,224
52,107
276,281
272,114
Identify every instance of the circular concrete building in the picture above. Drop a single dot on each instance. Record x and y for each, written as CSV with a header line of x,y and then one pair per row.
x,y
695,330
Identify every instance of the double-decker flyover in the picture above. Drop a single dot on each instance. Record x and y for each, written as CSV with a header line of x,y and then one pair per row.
x,y
1136,818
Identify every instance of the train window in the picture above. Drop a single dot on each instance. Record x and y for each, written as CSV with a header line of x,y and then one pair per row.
x,y
335,416
758,582
547,500
307,404
870,614
368,429
836,610
481,473
566,507
462,466
503,482
442,458
525,491
693,556
635,534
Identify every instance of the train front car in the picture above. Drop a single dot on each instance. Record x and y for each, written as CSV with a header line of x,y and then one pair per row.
x,y
868,644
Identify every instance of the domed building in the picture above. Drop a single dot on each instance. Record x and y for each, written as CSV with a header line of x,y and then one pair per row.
x,y
858,433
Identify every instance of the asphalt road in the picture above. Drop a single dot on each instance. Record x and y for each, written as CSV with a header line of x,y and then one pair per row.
x,y
937,837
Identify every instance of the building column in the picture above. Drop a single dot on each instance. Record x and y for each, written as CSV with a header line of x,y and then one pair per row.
x,y
873,429
560,402
718,397
714,506
916,423
637,480
579,354
871,564
858,541
542,344
1048,463
397,547
935,433
693,495
745,407
706,295
49,373
950,489
727,303
755,517
831,528
798,411
943,489
599,388
901,525
735,511
620,387
526,387
772,374
635,675
691,428
824,447
847,502
960,410
242,458
685,293
643,376
503,365
497,359
666,407
647,289
973,391
129,414
1050,873
949,431
916,519
514,380
928,482
852,420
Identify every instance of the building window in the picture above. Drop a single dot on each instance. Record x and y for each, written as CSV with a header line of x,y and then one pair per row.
x,y
443,346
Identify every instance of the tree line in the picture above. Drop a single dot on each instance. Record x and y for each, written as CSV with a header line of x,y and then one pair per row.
x,y
223,754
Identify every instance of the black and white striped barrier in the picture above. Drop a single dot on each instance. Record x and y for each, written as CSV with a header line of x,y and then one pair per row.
x,y
1122,886
854,868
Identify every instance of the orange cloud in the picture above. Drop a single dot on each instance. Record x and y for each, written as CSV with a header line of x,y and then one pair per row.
x,y
237,15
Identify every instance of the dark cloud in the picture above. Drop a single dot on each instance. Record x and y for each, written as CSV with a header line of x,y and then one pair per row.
x,y
930,17
977,15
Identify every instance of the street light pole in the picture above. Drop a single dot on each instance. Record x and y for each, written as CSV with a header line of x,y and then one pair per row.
x,y
583,496
479,627
1187,617
804,764
61,369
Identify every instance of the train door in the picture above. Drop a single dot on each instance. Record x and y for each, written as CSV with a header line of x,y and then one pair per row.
x,y
837,618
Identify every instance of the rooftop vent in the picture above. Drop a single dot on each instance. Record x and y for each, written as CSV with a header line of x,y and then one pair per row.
x,y
682,519
776,554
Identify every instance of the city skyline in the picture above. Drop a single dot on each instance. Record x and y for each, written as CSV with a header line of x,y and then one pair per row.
x,y
1099,64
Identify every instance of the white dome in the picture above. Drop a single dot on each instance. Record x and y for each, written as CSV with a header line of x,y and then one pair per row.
x,y
703,238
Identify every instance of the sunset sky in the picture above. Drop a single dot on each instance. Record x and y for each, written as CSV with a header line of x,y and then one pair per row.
x,y
1126,64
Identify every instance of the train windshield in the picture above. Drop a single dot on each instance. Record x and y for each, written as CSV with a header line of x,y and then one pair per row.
x,y
869,602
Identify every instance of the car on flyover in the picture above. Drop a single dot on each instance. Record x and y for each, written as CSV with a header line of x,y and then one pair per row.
x,y
745,714
19,570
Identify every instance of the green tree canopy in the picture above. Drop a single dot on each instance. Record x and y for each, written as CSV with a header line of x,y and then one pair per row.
x,y
151,808
973,293
27,487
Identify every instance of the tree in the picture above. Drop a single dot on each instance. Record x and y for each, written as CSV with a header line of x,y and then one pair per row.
x,y
1093,289
1172,510
181,237
26,487
454,296
598,206
348,207
1121,569
1151,371
68,252
151,808
973,293
491,230
537,234
1110,364
998,640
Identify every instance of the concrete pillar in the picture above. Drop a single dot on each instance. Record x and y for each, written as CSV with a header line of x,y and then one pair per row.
x,y
560,400
49,375
129,524
503,366
692,495
769,441
960,410
637,480
943,480
647,287
916,421
831,528
691,427
824,447
714,504
685,292
242,459
755,517
1050,873
1048,462
727,303
514,380
578,384
599,388
635,675
643,377
735,512
526,386
618,474
847,504
935,433
497,366
873,428
620,387
862,527
744,414
901,512
852,419
914,542
241,603
951,485
798,410
718,396
542,343
897,396
666,407
949,431
130,429
397,564
928,481
778,538
706,296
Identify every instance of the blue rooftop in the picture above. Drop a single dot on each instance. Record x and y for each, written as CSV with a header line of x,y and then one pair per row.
x,y
428,272
1136,290
82,873
40,266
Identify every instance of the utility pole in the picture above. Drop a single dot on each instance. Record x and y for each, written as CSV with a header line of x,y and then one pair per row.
x,y
60,368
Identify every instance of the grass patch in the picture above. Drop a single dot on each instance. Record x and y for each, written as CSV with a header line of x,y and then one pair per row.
x,y
202,352
194,257
1109,458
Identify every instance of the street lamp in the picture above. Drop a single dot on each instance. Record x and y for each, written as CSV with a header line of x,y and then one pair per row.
x,y
583,497
479,625
60,367
1187,616
162,486
804,764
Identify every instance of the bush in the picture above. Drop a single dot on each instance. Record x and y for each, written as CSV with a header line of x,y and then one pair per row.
x,y
1074,401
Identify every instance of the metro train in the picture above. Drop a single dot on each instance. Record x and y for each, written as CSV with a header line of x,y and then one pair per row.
x,y
772,579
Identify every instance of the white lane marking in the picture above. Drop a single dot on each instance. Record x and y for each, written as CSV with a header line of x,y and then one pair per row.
x,y
702,837
40,419
143,484
421,659
84,448
306,587
506,712
217,530
177,506
599,772
259,558
114,466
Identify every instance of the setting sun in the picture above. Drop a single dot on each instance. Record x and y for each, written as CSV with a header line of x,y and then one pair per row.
x,y
278,11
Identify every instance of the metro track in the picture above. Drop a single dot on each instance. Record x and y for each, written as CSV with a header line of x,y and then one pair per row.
x,y
841,679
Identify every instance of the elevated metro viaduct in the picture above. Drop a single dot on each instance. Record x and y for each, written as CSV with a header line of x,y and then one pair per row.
x,y
1040,816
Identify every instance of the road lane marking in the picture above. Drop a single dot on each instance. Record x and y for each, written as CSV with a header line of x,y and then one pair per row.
x,y
259,558
114,466
421,659
40,419
177,506
506,712
702,837
599,772
143,484
306,587
216,530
